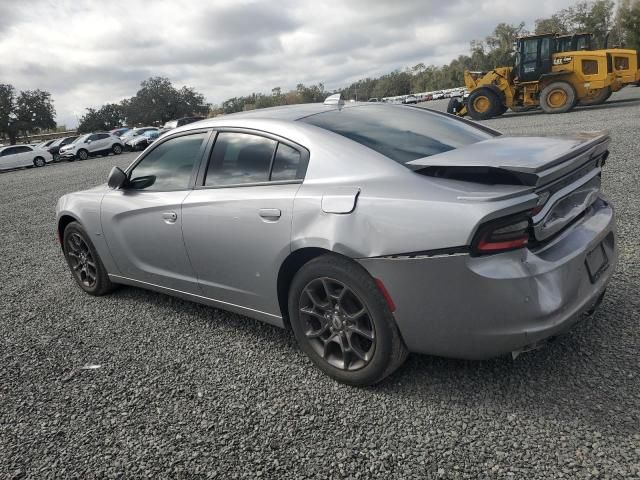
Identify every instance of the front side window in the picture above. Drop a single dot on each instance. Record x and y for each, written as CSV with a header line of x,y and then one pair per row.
x,y
400,133
169,166
239,158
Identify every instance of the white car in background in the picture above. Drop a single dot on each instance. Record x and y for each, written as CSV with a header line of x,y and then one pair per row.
x,y
91,144
16,156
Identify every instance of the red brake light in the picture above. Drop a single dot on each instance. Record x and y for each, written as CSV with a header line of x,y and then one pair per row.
x,y
502,235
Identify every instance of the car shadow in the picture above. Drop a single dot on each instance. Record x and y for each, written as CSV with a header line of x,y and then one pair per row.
x,y
570,378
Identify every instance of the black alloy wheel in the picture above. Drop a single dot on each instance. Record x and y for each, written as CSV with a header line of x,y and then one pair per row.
x,y
84,262
343,322
81,261
338,324
117,149
39,162
83,154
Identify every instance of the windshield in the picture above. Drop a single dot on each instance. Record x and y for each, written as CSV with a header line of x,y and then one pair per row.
x,y
400,133
82,138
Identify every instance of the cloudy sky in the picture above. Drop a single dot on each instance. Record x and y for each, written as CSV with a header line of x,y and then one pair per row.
x,y
87,53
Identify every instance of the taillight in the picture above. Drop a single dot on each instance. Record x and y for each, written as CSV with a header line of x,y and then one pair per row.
x,y
501,235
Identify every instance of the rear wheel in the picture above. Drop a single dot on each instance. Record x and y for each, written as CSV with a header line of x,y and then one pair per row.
x,y
56,157
83,154
600,97
342,321
483,104
117,149
558,97
84,262
39,162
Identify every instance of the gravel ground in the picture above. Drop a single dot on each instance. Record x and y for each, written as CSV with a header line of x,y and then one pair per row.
x,y
187,391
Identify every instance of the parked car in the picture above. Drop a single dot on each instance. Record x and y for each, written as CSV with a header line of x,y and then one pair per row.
x,y
371,230
15,156
45,144
54,148
142,141
131,134
409,99
118,132
373,99
92,144
182,121
128,135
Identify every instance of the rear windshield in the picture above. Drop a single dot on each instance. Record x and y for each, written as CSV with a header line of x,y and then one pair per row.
x,y
398,132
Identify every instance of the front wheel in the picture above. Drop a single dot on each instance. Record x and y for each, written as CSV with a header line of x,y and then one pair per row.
x,y
483,104
342,322
39,162
84,262
56,157
83,154
558,97
117,149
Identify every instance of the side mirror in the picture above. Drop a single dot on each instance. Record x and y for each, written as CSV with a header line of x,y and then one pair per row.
x,y
87,141
117,178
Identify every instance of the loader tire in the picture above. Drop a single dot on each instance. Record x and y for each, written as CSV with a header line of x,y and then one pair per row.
x,y
600,97
558,97
483,104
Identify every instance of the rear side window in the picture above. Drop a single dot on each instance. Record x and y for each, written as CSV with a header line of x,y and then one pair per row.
x,y
589,67
399,132
287,164
239,158
621,63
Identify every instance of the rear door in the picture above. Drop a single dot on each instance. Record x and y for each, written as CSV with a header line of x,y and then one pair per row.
x,y
99,142
237,221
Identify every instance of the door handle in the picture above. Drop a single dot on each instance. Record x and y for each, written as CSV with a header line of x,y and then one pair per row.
x,y
170,217
271,214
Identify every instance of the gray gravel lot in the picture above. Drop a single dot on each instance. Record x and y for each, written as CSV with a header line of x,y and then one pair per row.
x,y
187,391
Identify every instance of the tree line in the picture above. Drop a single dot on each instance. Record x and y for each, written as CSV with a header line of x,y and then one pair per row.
x,y
495,50
24,112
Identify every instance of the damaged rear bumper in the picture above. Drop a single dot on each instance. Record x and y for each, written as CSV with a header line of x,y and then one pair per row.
x,y
479,307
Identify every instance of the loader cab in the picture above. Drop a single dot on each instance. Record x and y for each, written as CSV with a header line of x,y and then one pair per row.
x,y
573,43
534,57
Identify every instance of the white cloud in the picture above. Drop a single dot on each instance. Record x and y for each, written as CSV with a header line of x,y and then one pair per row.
x,y
87,53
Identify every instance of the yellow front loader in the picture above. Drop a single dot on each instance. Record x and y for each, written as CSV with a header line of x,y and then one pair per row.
x,y
546,76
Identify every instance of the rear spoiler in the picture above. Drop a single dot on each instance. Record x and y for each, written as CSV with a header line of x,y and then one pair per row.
x,y
530,161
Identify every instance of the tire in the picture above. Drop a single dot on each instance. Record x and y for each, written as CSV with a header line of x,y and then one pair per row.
x,y
354,349
600,97
39,162
558,97
484,103
56,158
454,105
82,154
83,260
116,149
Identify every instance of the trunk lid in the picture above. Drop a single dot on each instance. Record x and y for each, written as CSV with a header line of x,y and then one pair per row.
x,y
531,161
564,172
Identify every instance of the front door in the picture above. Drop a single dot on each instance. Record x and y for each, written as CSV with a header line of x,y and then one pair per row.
x,y
237,225
142,222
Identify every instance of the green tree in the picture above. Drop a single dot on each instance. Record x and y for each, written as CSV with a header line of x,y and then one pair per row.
x,y
158,101
106,118
29,111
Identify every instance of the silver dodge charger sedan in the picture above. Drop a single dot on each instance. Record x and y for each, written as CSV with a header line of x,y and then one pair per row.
x,y
370,230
